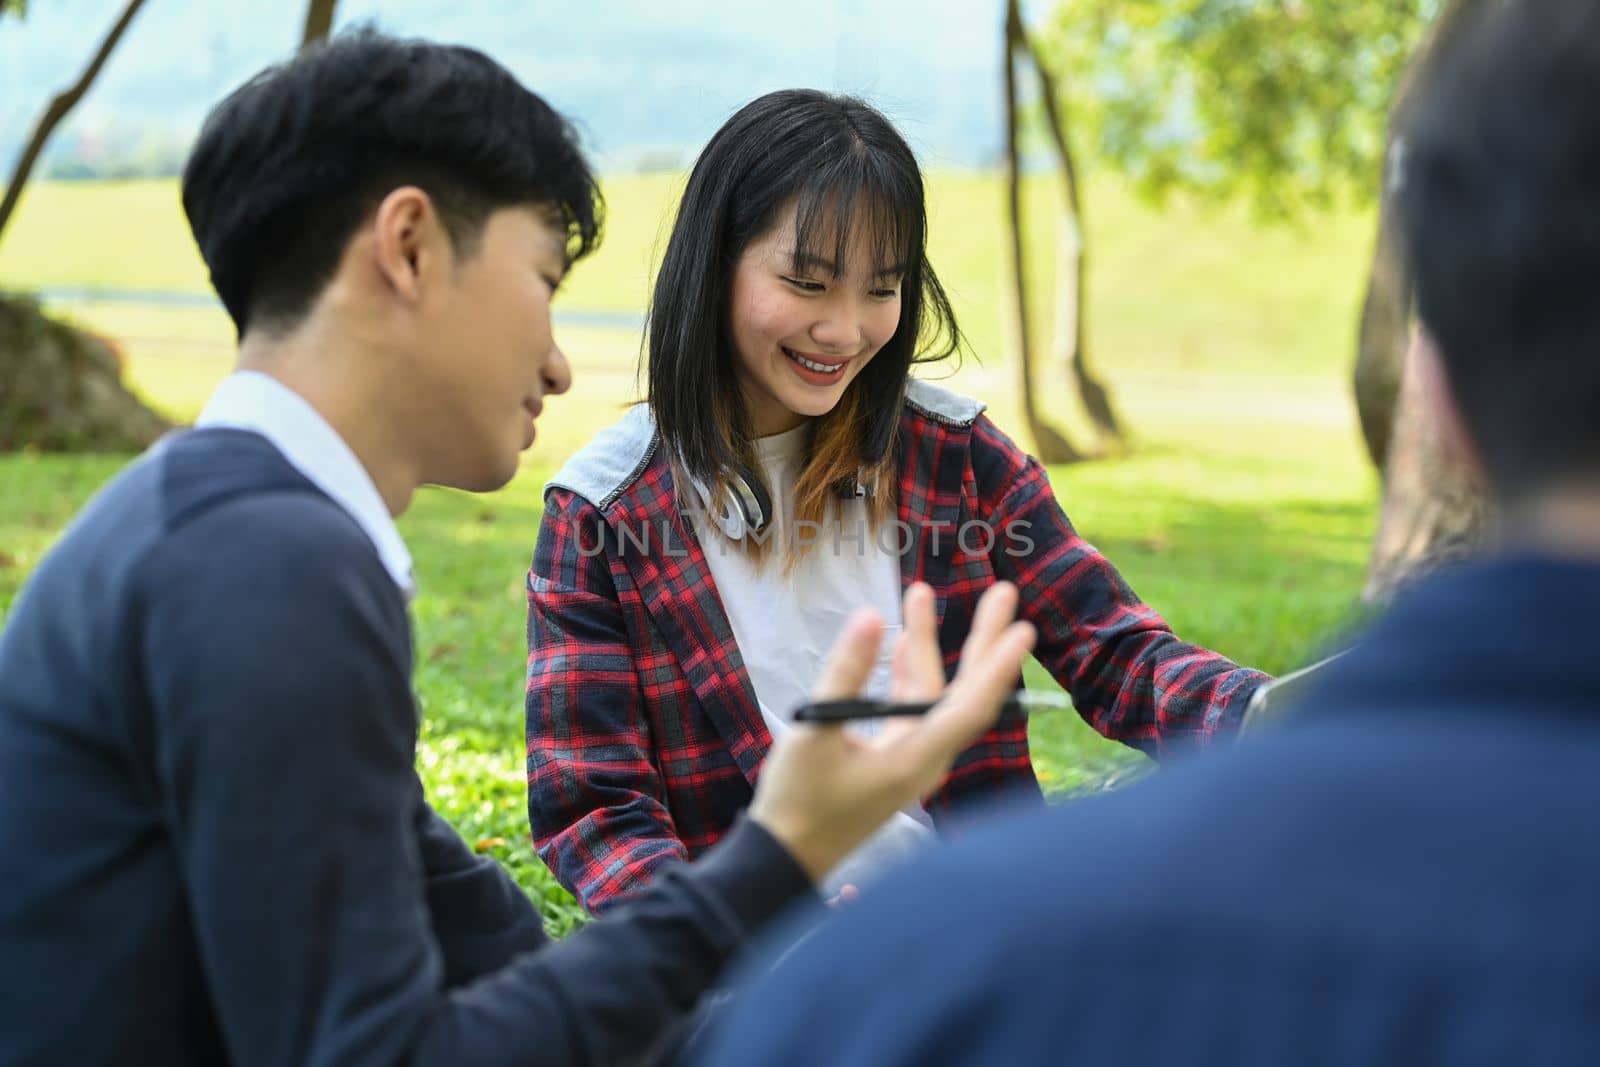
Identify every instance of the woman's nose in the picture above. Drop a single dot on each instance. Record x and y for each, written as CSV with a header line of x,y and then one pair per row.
x,y
839,329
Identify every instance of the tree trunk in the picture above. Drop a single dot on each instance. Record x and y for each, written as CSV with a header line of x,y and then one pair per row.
x,y
319,21
59,108
1072,248
1051,445
1433,507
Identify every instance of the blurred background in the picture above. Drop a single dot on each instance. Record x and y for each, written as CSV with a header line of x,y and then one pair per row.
x,y
1162,224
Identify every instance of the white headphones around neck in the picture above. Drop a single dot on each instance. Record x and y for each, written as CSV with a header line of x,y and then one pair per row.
x,y
749,506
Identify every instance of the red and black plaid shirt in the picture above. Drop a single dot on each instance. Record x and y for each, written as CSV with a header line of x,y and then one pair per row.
x,y
644,736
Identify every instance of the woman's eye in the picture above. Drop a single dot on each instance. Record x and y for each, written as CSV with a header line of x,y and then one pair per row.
x,y
805,286
885,294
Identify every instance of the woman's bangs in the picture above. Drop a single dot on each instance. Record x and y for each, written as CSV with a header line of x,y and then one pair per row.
x,y
853,197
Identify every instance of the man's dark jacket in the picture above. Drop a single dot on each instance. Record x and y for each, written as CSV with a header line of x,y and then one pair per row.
x,y
1406,873
214,846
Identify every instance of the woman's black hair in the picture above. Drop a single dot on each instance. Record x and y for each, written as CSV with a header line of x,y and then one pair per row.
x,y
842,165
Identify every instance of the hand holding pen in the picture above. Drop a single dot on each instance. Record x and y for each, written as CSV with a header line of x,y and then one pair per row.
x,y
823,790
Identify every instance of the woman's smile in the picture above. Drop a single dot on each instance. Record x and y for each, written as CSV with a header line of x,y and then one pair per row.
x,y
814,368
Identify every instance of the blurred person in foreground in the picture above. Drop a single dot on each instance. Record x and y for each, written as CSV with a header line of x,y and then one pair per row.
x,y
213,840
1405,872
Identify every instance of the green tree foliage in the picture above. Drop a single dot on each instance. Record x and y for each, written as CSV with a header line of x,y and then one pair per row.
x,y
18,8
1285,102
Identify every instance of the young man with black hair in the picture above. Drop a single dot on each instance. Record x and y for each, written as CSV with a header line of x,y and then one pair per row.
x,y
213,841
1405,872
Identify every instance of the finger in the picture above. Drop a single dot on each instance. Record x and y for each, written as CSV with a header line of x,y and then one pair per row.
x,y
917,671
992,677
971,705
917,610
851,659
996,609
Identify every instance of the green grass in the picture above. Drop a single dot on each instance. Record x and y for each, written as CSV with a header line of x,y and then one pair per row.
x,y
1243,512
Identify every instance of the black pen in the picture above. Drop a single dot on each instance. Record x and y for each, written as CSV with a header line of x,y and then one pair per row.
x,y
1022,702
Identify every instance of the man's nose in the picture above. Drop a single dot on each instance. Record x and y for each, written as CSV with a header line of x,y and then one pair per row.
x,y
557,372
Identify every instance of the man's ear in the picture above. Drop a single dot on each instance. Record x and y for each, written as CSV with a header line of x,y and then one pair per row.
x,y
408,241
1426,366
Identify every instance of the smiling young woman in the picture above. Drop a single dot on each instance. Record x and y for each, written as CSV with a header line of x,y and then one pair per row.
x,y
697,559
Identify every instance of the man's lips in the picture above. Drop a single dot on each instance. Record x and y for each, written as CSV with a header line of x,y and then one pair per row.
x,y
532,407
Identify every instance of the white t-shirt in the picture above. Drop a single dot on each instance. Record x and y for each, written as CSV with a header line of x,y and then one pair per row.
x,y
785,622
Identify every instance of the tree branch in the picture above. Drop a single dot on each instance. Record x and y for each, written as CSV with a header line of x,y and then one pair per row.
x,y
59,108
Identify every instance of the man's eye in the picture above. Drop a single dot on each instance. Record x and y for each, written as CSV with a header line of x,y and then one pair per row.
x,y
805,286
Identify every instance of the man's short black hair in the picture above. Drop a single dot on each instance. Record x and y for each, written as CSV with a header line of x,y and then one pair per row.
x,y
1500,200
289,165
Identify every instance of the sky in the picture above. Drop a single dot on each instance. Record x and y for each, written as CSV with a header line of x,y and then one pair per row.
x,y
646,81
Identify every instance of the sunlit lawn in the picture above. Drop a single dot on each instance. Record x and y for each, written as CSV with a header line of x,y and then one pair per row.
x,y
1243,510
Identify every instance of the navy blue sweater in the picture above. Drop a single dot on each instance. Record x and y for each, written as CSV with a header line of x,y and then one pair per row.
x,y
213,842
1406,874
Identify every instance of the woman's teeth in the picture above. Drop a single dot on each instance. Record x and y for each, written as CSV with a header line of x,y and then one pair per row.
x,y
820,368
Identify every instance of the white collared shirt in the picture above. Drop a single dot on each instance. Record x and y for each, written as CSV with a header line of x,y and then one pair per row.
x,y
250,400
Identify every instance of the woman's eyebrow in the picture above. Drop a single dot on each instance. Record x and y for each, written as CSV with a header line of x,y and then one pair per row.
x,y
804,261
